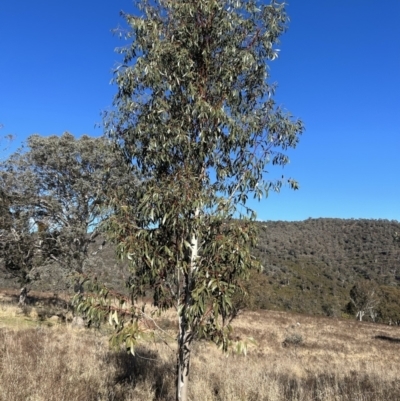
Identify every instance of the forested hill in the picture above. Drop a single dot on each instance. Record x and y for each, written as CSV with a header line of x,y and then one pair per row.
x,y
344,250
310,266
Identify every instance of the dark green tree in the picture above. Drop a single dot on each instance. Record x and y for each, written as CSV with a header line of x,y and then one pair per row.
x,y
195,118
388,309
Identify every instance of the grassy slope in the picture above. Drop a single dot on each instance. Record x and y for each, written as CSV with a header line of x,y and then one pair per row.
x,y
297,358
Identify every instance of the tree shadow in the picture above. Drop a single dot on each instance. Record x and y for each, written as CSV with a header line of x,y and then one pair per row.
x,y
53,301
144,366
387,338
44,304
34,298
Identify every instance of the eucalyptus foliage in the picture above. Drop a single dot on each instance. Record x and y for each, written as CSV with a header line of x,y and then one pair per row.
x,y
53,193
194,117
364,298
16,239
4,139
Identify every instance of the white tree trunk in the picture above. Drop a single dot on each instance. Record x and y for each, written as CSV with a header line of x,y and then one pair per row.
x,y
185,333
360,315
23,295
183,362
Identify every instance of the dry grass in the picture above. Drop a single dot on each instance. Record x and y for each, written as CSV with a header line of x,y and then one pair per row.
x,y
335,360
298,358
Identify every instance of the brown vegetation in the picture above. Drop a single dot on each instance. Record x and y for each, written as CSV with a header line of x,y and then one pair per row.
x,y
297,358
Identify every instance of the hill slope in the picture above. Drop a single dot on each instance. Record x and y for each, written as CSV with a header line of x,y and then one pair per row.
x,y
309,266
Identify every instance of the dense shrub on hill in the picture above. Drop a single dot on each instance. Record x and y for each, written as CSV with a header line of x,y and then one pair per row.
x,y
312,265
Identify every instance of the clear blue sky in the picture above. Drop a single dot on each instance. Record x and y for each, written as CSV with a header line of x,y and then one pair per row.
x,y
339,70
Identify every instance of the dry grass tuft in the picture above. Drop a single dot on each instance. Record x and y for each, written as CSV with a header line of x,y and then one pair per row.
x,y
297,358
61,363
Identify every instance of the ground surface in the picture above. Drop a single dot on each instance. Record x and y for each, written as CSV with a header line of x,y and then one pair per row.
x,y
293,357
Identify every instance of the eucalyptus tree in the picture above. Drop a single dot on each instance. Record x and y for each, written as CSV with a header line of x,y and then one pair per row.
x,y
364,298
194,116
56,189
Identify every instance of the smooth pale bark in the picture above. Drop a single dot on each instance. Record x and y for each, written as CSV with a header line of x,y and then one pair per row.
x,y
23,295
184,350
185,331
184,346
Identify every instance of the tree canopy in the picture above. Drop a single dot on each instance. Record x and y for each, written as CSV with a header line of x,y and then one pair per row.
x,y
364,298
194,117
53,201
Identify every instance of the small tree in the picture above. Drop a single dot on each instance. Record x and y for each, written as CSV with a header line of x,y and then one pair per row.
x,y
364,299
194,116
53,201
